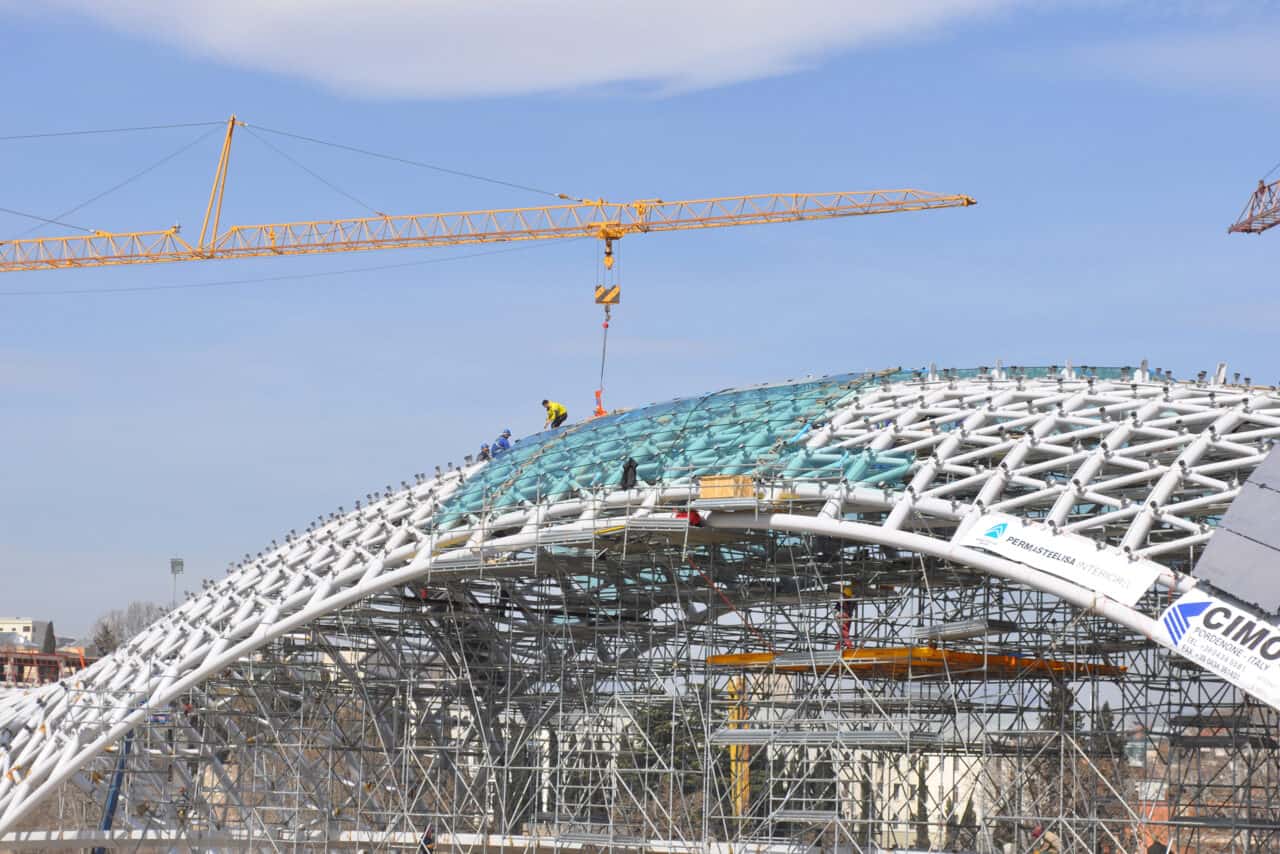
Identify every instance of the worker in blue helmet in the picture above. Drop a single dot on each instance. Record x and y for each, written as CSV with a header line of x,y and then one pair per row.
x,y
502,444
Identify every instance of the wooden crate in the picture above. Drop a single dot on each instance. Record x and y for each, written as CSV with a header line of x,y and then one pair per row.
x,y
725,486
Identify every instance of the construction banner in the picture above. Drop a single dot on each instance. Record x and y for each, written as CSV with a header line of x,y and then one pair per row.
x,y
1072,557
1229,639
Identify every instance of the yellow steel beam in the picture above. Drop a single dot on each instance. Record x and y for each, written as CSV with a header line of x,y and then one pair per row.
x,y
600,219
902,662
739,754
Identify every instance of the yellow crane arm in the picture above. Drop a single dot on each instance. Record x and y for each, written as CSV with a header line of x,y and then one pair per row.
x,y
607,221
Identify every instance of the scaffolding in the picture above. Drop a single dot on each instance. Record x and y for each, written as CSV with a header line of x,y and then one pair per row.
x,y
660,680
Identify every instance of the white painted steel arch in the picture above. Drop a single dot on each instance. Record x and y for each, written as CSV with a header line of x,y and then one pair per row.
x,y
1156,461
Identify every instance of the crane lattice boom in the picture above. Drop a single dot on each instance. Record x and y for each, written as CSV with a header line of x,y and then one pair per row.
x,y
607,221
1262,212
600,219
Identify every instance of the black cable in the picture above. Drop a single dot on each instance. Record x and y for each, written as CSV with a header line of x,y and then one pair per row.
x,y
130,179
312,173
406,160
106,130
1272,169
46,219
289,277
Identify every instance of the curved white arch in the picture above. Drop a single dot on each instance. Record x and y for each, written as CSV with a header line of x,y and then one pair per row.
x,y
1154,459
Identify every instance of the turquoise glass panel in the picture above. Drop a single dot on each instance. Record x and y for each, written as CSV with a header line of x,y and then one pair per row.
x,y
757,432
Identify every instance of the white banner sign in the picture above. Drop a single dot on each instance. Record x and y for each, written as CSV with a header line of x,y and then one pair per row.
x,y
1077,559
1236,643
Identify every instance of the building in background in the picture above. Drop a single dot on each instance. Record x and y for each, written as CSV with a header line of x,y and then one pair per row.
x,y
31,653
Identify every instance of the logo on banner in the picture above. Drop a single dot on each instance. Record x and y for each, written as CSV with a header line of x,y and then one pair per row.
x,y
997,531
1073,557
1178,619
1229,639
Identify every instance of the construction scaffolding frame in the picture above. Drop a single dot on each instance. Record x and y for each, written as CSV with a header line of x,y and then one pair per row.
x,y
683,666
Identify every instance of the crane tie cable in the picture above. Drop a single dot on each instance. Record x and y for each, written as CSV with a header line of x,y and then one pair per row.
x,y
45,219
419,163
135,176
323,180
107,130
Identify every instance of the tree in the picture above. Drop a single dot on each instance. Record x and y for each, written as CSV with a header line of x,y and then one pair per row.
x,y
1060,714
1081,771
922,802
969,826
104,638
117,626
1107,736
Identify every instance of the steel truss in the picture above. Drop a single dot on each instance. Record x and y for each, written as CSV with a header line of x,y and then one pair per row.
x,y
817,663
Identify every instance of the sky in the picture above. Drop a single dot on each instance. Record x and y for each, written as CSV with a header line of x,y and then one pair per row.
x,y
200,410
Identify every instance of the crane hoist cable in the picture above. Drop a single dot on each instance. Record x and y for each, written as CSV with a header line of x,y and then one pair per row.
x,y
604,353
607,294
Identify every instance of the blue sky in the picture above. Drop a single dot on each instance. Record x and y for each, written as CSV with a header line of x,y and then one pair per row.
x,y
1109,145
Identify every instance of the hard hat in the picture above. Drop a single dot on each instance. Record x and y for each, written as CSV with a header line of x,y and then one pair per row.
x,y
507,432
1037,832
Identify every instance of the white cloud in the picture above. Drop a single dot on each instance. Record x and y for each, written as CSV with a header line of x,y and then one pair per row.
x,y
458,48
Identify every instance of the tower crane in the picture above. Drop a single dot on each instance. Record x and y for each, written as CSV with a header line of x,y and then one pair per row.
x,y
576,218
1262,211
607,221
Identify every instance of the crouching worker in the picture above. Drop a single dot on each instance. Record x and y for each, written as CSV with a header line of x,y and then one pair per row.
x,y
556,413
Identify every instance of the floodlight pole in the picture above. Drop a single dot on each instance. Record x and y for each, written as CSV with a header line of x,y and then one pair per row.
x,y
175,569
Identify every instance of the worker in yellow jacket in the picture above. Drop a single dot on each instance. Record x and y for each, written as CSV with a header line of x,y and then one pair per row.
x,y
556,413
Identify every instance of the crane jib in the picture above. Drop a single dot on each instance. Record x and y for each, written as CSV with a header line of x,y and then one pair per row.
x,y
584,219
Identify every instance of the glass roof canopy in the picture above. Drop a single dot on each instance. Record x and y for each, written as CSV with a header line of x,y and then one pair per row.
x,y
754,431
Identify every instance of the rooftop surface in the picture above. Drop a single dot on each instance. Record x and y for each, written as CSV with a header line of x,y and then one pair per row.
x,y
756,431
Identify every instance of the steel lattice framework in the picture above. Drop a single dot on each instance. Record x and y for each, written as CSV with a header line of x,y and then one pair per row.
x,y
781,635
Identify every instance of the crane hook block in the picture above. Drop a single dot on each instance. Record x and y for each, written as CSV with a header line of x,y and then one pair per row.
x,y
608,296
